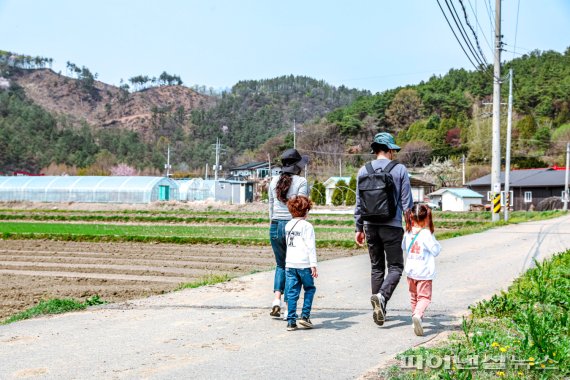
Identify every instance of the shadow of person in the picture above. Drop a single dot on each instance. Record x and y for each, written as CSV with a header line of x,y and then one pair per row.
x,y
334,320
432,324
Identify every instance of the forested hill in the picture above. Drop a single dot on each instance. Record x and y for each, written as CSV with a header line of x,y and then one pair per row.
x,y
444,116
450,115
75,124
256,111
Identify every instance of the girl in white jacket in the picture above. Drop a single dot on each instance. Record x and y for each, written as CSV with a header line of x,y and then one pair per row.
x,y
421,248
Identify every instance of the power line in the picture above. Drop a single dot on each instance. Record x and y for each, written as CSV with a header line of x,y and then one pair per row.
x,y
472,30
463,33
490,12
516,28
480,27
457,38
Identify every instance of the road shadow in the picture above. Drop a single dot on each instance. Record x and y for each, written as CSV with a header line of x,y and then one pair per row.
x,y
432,324
335,320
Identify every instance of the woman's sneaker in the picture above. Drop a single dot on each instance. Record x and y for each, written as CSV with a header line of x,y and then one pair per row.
x,y
306,323
291,326
418,328
379,306
276,309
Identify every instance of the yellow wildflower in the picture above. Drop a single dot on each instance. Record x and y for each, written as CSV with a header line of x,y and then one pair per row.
x,y
531,359
500,373
521,373
542,366
495,344
503,349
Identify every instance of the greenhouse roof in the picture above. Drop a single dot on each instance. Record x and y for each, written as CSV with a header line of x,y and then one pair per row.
x,y
90,183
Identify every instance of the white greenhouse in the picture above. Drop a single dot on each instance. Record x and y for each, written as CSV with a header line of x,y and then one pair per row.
x,y
112,189
196,189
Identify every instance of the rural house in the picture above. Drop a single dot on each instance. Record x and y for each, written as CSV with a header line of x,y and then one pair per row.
x,y
251,171
455,199
528,186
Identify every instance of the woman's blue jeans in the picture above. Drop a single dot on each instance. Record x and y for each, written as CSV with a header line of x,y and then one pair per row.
x,y
295,279
279,245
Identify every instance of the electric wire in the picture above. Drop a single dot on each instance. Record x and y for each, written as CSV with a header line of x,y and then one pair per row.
x,y
472,30
516,28
457,38
463,33
489,10
480,27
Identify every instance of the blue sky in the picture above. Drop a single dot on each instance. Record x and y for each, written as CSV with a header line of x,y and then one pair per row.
x,y
368,44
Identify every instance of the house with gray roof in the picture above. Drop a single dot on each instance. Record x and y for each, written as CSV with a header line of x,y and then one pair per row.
x,y
455,198
529,186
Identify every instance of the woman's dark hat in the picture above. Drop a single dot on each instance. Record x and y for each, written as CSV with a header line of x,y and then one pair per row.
x,y
292,162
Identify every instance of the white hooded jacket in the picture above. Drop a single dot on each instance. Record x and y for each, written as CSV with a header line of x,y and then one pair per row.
x,y
421,248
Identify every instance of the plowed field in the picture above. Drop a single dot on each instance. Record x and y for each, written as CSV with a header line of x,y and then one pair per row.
x,y
32,270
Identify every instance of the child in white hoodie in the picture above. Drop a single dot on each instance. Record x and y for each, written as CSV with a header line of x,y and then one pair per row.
x,y
421,248
300,262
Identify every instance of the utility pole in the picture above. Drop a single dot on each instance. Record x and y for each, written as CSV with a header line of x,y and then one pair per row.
x,y
508,148
294,135
269,160
567,194
217,159
496,146
463,169
206,175
340,167
167,165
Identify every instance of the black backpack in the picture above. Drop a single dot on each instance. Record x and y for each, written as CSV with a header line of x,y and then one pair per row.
x,y
377,194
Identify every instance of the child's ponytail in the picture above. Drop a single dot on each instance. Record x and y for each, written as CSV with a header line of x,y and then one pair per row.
x,y
429,220
408,218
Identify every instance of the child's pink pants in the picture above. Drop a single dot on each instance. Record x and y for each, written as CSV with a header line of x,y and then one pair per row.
x,y
420,295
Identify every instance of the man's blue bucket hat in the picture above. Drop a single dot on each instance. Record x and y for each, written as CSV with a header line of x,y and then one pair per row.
x,y
386,139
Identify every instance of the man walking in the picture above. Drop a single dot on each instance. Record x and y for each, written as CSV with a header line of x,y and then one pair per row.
x,y
382,226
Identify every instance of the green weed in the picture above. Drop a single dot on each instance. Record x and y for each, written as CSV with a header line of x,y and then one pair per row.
x,y
210,279
54,306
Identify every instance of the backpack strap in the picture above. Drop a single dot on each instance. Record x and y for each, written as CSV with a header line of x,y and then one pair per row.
x,y
387,169
390,166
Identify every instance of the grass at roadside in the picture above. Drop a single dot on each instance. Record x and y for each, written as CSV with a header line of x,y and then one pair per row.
x,y
206,280
53,306
523,333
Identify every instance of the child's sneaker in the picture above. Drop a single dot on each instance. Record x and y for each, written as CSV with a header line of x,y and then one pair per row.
x,y
276,308
418,328
306,323
379,306
291,326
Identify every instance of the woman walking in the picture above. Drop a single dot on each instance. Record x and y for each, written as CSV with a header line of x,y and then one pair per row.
x,y
281,188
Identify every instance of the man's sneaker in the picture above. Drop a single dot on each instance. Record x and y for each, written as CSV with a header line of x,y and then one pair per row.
x,y
291,326
306,322
276,309
418,328
379,306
